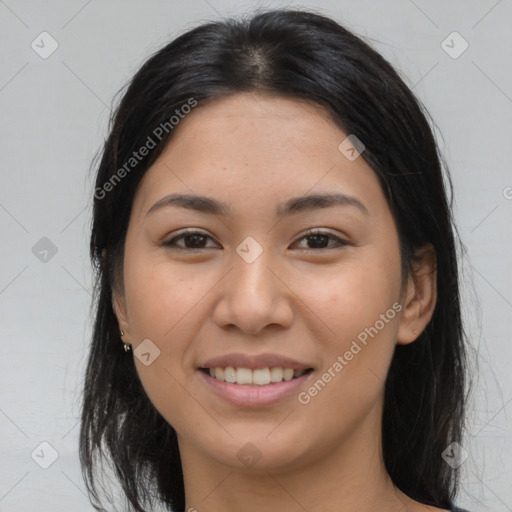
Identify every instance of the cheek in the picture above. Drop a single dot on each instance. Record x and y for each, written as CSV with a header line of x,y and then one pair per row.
x,y
357,306
166,303
158,296
352,295
162,304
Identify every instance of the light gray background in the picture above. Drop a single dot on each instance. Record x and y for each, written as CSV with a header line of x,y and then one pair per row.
x,y
54,116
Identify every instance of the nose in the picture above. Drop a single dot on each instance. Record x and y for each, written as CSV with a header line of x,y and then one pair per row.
x,y
254,295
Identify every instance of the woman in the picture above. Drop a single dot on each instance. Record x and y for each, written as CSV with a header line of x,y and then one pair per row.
x,y
276,254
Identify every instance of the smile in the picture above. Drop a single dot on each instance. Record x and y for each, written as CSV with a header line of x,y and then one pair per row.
x,y
252,381
257,377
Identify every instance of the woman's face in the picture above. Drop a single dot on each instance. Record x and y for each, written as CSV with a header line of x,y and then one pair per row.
x,y
253,290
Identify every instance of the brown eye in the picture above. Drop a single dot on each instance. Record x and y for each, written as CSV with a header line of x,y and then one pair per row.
x,y
318,240
191,240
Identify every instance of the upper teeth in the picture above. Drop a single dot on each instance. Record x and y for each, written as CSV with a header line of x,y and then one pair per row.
x,y
259,377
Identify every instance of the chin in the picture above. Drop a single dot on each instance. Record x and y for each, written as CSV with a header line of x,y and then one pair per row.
x,y
258,453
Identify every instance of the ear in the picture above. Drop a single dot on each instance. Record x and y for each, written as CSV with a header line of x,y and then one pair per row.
x,y
420,296
119,306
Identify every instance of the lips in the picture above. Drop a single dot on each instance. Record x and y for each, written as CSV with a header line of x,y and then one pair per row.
x,y
254,381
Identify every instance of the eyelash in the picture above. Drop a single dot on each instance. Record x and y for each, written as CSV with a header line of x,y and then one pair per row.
x,y
172,242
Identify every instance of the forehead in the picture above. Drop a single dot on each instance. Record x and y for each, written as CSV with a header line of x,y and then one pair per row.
x,y
248,144
253,118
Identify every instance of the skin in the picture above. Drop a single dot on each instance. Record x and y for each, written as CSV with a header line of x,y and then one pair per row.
x,y
253,152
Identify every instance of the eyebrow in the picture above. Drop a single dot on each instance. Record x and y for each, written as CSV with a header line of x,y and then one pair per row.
x,y
292,206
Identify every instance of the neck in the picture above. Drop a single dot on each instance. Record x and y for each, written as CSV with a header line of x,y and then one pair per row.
x,y
352,477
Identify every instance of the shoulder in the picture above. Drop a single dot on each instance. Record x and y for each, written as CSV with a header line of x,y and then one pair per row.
x,y
417,506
